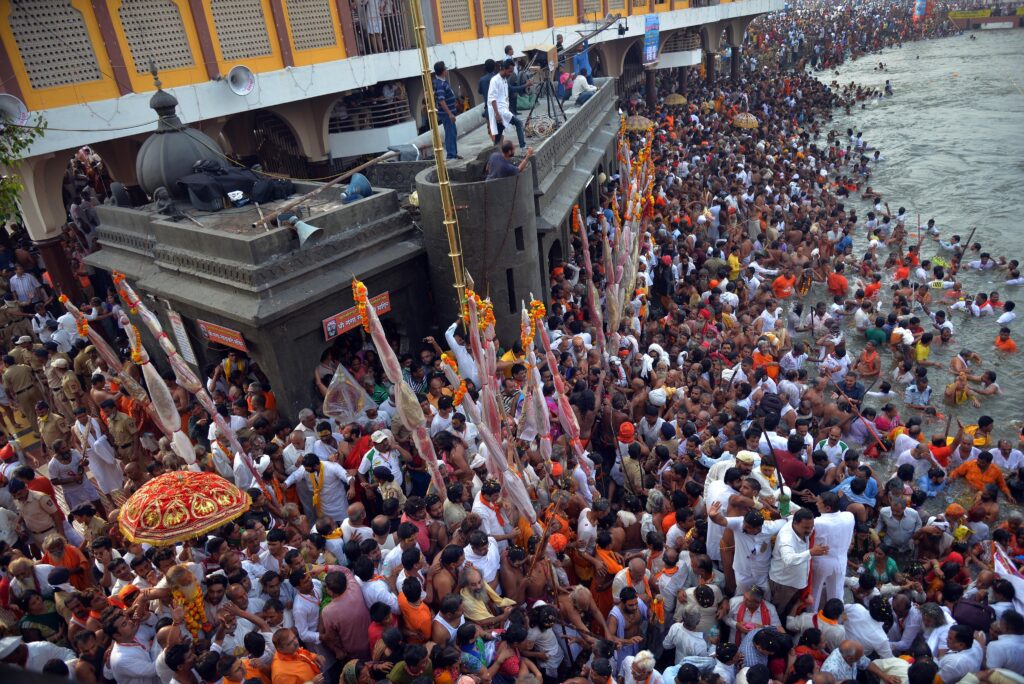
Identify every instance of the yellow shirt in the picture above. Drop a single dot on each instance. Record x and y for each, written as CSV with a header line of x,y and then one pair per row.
x,y
734,265
921,352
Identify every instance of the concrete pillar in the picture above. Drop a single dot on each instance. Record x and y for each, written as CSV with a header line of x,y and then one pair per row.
x,y
62,276
735,57
651,89
709,68
683,76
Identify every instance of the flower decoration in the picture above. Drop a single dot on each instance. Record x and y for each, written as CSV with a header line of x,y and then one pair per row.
x,y
460,394
537,310
195,612
450,360
359,295
576,218
137,347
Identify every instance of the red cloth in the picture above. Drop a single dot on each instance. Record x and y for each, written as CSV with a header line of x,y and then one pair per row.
x,y
792,468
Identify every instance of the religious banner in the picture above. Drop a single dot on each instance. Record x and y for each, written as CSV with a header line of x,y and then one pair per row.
x,y
651,26
349,319
221,335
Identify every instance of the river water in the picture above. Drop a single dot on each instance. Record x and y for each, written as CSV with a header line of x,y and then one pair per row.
x,y
953,141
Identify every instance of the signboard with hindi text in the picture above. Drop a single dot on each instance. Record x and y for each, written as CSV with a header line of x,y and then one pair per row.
x,y
651,26
341,323
223,336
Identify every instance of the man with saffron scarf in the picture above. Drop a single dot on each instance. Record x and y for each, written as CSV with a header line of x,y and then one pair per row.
x,y
329,482
606,563
293,664
488,507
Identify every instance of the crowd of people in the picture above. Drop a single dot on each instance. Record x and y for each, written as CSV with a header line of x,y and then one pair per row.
x,y
764,488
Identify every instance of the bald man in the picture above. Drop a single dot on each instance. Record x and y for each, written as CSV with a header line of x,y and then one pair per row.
x,y
846,661
355,525
635,575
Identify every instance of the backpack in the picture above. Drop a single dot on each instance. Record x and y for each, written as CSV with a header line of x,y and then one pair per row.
x,y
978,616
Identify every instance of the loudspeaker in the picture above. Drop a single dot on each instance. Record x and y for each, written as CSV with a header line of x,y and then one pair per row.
x,y
13,110
308,235
358,188
241,80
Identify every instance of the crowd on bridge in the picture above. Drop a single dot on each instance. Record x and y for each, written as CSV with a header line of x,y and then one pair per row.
x,y
763,486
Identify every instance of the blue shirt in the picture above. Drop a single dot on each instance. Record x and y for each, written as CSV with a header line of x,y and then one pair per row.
x,y
867,498
916,397
925,484
443,91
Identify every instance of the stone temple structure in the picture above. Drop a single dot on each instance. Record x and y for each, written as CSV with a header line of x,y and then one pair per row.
x,y
220,280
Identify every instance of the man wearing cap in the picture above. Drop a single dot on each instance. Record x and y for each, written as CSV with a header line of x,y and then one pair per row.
x,y
20,385
22,350
383,453
37,510
53,427
122,430
32,656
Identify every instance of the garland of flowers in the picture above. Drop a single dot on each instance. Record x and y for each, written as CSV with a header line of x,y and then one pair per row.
x,y
195,613
123,293
537,311
137,347
484,311
576,218
359,295
450,360
460,394
81,325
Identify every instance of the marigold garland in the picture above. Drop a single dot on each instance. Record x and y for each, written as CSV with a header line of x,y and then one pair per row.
x,y
195,613
137,347
576,218
450,360
359,294
460,394
484,311
537,310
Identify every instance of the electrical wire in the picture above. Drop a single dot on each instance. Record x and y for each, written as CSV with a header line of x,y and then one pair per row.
x,y
80,130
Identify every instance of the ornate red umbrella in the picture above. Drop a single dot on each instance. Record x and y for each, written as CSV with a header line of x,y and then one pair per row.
x,y
179,506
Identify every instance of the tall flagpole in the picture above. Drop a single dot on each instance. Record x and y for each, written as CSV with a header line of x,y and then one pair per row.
x,y
451,221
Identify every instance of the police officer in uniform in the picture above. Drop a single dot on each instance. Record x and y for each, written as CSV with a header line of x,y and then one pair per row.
x,y
53,427
21,387
122,430
22,350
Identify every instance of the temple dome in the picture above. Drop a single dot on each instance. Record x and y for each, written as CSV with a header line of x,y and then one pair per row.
x,y
171,151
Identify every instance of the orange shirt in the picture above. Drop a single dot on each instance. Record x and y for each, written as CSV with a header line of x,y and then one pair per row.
x,y
978,479
72,560
417,619
768,361
837,284
297,668
902,272
871,289
783,286
1006,345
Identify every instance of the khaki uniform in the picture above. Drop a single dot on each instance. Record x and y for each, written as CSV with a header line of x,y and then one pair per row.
x,y
52,427
122,434
20,385
72,389
19,325
54,383
37,511
84,365
7,318
23,355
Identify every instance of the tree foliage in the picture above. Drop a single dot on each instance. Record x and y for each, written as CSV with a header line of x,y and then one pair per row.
x,y
14,141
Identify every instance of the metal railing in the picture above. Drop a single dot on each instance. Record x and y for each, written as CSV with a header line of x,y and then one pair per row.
x,y
372,113
381,26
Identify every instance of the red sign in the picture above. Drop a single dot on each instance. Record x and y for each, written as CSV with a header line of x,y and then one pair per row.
x,y
221,335
348,319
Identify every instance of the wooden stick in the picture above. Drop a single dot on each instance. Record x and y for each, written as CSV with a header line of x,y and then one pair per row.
x,y
867,423
265,220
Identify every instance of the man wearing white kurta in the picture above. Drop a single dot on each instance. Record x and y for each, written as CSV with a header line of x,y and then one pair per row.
x,y
791,560
329,482
834,529
487,505
499,114
96,447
